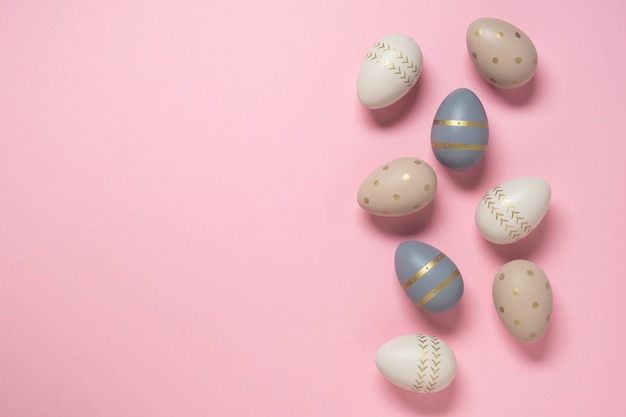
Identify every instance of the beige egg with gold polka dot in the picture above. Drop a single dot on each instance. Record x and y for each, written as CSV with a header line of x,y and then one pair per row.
x,y
501,52
522,296
398,187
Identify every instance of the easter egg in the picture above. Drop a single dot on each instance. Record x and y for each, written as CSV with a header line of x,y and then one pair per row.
x,y
522,296
398,187
388,71
511,210
501,52
429,278
417,362
460,131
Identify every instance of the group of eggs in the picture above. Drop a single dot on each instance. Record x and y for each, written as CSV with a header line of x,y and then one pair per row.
x,y
522,295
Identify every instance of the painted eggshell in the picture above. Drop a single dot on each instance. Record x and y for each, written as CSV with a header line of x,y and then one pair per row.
x,y
501,52
417,362
460,132
522,296
430,279
389,70
397,188
511,210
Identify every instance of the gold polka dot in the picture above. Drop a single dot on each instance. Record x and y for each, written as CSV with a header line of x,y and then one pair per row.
x,y
427,187
406,177
548,318
518,60
517,35
547,286
501,277
516,291
530,273
417,162
478,32
499,35
515,82
376,182
366,200
492,80
516,322
384,212
501,309
495,60
386,167
415,207
474,55
532,335
535,304
396,197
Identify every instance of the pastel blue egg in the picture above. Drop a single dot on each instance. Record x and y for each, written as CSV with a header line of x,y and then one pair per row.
x,y
460,131
430,279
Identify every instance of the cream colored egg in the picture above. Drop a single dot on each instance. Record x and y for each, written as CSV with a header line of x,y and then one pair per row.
x,y
389,70
398,187
522,296
417,362
501,52
511,210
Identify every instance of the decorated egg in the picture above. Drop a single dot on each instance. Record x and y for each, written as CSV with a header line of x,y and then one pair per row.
x,y
501,52
429,278
460,132
522,296
511,210
417,362
389,70
398,187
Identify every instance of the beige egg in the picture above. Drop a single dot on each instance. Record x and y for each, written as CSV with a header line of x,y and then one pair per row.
x,y
398,187
522,296
501,52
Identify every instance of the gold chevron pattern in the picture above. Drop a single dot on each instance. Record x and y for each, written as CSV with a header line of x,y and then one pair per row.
x,y
510,219
428,368
395,61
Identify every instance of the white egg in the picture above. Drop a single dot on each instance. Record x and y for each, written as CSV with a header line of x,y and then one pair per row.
x,y
417,362
511,210
389,70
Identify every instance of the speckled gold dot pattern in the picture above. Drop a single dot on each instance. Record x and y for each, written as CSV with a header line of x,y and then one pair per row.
x,y
502,53
522,297
397,188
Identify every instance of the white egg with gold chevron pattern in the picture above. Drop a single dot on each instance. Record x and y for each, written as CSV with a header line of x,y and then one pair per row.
x,y
389,70
510,211
522,296
417,362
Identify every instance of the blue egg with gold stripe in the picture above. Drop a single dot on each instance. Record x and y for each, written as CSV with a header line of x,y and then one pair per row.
x,y
460,131
429,278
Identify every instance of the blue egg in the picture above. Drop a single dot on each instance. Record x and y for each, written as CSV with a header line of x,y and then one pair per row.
x,y
430,279
460,131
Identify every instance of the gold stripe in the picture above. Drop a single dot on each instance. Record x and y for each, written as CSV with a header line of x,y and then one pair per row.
x,y
443,284
459,146
460,123
424,269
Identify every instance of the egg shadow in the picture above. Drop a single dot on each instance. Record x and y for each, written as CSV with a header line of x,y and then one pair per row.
x,y
469,178
392,114
404,225
520,96
434,403
447,321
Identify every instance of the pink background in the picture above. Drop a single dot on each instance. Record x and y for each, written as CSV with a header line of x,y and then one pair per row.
x,y
179,232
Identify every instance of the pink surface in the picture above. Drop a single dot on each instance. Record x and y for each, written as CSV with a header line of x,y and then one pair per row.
x,y
179,232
